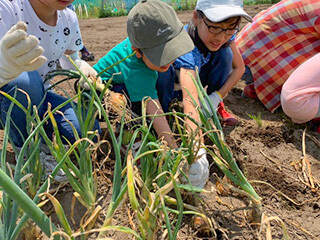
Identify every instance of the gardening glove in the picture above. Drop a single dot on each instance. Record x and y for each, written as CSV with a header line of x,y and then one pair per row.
x,y
215,98
199,170
91,75
85,68
19,52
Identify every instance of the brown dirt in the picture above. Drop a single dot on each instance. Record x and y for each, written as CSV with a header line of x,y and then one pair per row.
x,y
267,155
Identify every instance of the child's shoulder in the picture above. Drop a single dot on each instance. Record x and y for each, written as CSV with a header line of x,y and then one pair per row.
x,y
68,15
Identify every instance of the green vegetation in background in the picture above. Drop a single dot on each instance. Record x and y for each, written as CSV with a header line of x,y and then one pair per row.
x,y
86,10
183,5
254,2
112,12
103,8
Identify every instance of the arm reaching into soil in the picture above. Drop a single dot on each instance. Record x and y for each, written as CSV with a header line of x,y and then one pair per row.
x,y
160,123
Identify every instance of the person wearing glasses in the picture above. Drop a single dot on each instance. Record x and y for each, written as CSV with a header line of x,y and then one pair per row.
x,y
213,29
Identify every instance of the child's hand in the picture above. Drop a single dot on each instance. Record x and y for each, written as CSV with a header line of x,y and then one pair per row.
x,y
91,75
19,52
199,170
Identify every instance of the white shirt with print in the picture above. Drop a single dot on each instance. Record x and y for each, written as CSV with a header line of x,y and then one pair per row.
x,y
55,40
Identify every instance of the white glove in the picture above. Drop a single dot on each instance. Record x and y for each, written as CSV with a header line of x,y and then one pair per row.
x,y
19,53
89,72
91,75
215,98
199,170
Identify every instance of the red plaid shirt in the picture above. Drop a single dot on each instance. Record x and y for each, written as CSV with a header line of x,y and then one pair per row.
x,y
277,41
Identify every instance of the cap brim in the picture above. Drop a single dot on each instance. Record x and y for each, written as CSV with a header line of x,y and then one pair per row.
x,y
219,14
166,53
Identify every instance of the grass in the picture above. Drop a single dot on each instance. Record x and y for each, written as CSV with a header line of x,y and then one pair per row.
x,y
256,118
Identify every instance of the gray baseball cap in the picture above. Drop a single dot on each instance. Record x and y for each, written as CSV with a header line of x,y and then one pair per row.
x,y
155,29
219,10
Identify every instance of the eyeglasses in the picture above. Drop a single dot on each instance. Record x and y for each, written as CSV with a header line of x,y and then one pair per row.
x,y
217,30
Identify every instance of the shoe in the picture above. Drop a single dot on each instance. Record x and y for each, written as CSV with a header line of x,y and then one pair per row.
x,y
49,163
86,56
227,118
249,91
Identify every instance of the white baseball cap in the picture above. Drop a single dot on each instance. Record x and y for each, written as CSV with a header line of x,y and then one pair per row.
x,y
219,10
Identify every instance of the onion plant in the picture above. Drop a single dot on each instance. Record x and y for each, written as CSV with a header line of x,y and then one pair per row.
x,y
148,185
81,178
225,161
80,175
149,176
84,182
143,183
96,104
14,197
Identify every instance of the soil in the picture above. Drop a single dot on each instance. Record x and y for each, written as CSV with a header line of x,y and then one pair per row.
x,y
268,150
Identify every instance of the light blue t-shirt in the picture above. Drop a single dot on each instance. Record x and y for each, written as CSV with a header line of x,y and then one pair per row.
x,y
139,80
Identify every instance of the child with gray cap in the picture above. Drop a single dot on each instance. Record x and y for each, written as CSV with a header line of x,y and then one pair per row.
x,y
158,37
212,29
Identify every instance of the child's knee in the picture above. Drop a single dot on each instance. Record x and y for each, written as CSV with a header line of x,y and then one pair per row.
x,y
30,82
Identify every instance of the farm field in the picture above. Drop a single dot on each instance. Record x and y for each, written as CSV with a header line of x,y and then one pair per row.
x,y
270,151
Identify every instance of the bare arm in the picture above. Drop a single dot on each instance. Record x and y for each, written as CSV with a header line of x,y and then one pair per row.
x,y
237,72
160,123
188,106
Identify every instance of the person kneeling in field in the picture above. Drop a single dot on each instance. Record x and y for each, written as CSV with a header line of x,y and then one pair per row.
x,y
213,29
278,41
300,95
35,35
158,38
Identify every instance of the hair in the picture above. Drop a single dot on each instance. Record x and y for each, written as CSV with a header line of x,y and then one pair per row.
x,y
192,27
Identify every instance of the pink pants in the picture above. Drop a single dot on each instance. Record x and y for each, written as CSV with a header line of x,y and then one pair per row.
x,y
300,95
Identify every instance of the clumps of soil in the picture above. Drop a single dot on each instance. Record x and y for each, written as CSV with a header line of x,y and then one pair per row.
x,y
270,136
